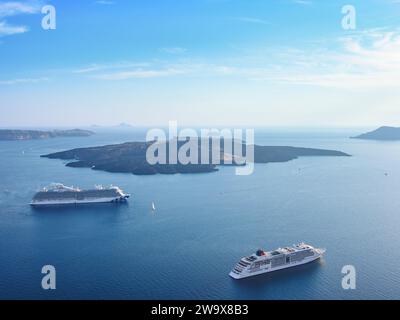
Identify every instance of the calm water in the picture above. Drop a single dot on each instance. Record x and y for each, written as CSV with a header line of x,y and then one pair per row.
x,y
203,224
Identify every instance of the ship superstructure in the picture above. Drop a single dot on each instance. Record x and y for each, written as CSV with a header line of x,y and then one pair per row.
x,y
282,258
58,194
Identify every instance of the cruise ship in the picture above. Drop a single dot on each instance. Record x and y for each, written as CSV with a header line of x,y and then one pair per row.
x,y
263,262
58,194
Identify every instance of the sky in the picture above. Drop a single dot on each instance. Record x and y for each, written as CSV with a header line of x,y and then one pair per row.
x,y
200,62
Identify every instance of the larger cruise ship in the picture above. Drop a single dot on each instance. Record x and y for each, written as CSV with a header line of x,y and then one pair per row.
x,y
58,194
282,258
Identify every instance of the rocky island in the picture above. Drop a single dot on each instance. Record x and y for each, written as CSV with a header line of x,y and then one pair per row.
x,y
130,157
382,133
10,135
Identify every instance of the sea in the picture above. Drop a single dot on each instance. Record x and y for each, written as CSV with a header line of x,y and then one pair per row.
x,y
204,223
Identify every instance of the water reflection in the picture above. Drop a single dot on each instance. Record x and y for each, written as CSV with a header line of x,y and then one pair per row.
x,y
94,208
306,271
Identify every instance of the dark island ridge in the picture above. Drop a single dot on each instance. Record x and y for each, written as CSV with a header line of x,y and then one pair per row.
x,y
12,135
130,157
384,133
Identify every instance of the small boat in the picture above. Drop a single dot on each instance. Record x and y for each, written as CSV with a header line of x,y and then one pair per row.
x,y
153,206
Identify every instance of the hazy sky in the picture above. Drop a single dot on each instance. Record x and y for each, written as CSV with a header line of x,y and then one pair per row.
x,y
200,62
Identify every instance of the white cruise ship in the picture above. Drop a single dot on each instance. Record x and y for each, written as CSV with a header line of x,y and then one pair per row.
x,y
58,194
282,258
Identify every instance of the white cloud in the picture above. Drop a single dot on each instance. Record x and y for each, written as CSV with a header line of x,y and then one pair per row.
x,y
138,74
22,81
174,50
362,60
369,60
9,9
113,66
88,69
303,2
105,2
253,20
7,30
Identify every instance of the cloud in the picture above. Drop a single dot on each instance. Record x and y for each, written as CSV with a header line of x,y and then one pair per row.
x,y
89,69
174,50
7,30
138,74
105,2
303,2
114,66
253,20
362,60
9,9
22,81
118,71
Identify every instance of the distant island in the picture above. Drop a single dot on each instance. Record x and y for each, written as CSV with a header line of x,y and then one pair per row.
x,y
122,125
125,125
12,135
382,133
130,157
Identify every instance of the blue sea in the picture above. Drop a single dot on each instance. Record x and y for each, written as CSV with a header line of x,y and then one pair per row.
x,y
203,223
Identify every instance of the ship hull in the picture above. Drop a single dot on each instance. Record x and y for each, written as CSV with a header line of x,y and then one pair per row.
x,y
264,271
78,202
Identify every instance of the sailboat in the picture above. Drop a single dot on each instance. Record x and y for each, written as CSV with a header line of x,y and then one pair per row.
x,y
153,206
